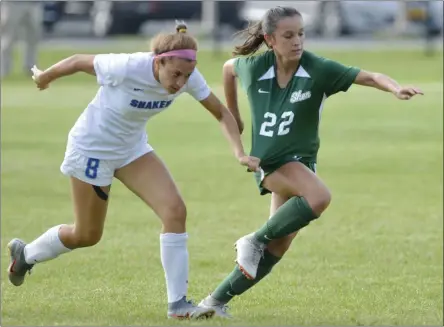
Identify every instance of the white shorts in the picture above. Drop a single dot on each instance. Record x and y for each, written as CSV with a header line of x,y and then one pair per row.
x,y
96,171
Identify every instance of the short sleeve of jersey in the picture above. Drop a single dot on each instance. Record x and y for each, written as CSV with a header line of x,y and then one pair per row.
x,y
197,87
111,69
245,68
337,77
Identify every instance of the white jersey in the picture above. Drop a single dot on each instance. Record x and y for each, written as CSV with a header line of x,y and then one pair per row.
x,y
113,125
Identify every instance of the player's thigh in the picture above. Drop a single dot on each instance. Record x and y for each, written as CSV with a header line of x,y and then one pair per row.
x,y
90,210
295,179
148,178
90,182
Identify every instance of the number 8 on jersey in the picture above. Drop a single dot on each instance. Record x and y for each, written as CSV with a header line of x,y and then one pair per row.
x,y
92,166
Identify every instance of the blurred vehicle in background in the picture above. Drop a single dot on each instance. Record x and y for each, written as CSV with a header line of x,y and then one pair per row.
x,y
56,11
322,18
341,18
127,17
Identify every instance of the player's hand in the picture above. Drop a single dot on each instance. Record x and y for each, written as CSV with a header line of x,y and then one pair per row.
x,y
406,93
251,162
36,76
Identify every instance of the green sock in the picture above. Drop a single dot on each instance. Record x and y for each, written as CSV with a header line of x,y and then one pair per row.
x,y
236,283
290,217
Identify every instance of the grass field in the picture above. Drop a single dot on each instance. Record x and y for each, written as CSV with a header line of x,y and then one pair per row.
x,y
375,257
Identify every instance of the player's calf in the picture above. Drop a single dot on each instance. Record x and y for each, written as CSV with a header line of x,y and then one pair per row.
x,y
46,247
280,246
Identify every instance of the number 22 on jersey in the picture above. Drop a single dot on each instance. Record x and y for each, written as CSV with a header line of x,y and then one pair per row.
x,y
268,127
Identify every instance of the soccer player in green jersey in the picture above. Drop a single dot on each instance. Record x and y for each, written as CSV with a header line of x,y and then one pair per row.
x,y
286,88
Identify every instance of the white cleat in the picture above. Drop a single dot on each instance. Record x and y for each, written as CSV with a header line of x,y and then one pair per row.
x,y
249,253
18,267
221,309
184,309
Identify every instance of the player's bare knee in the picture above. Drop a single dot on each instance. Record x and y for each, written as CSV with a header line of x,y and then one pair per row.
x,y
175,213
319,200
87,237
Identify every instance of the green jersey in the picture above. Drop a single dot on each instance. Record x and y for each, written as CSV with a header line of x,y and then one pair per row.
x,y
285,121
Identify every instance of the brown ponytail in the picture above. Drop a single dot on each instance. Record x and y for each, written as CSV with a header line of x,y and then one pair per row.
x,y
254,41
255,34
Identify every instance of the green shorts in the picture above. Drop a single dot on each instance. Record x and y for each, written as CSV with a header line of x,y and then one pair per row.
x,y
269,169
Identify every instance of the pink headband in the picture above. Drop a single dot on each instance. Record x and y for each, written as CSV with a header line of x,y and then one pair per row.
x,y
184,54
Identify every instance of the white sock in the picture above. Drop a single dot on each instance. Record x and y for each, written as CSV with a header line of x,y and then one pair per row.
x,y
48,246
174,256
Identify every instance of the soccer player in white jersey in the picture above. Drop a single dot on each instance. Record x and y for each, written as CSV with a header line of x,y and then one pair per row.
x,y
109,140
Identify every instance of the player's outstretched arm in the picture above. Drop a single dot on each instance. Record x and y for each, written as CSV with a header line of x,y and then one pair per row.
x,y
71,65
230,130
387,84
230,89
